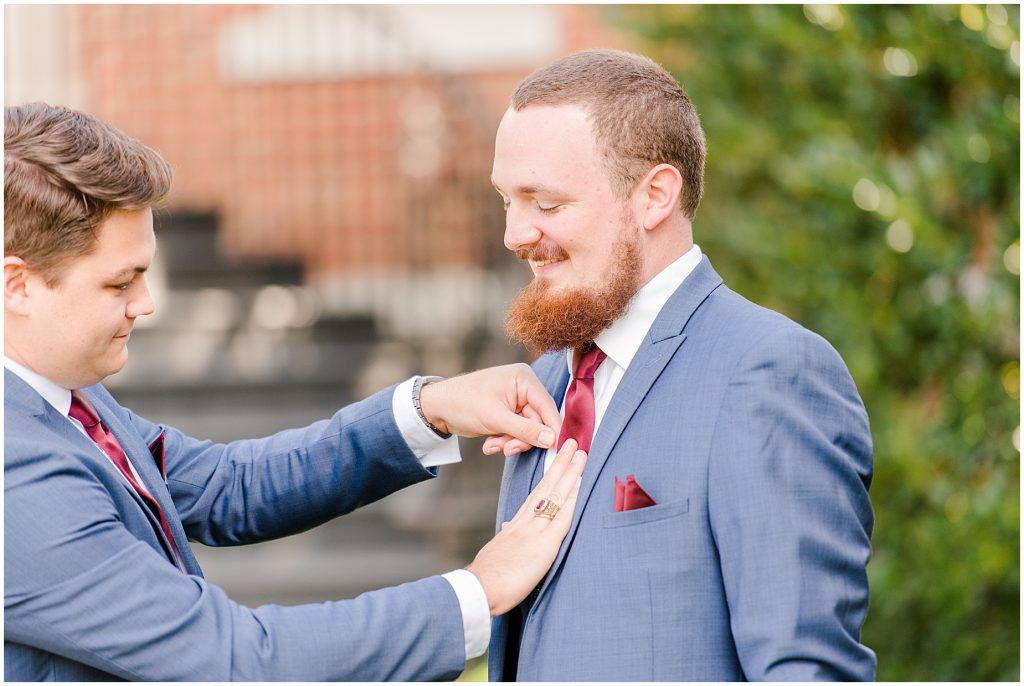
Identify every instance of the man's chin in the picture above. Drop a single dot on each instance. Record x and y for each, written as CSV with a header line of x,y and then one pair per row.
x,y
546,319
548,291
553,315
115,364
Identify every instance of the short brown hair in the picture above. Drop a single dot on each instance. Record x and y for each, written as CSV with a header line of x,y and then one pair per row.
x,y
65,172
642,117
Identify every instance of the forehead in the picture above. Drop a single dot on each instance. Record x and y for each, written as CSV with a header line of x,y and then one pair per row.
x,y
124,241
541,142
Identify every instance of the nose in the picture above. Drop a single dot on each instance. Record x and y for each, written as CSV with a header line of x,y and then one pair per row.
x,y
142,304
519,230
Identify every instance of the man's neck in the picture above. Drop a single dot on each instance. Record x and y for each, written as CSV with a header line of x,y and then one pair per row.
x,y
665,245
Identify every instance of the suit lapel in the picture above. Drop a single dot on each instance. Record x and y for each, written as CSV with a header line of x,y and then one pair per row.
x,y
28,399
23,397
20,396
659,346
148,470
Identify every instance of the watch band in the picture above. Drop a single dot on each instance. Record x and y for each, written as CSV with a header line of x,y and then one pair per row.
x,y
417,387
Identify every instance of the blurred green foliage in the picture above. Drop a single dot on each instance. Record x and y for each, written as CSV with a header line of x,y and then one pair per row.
x,y
863,178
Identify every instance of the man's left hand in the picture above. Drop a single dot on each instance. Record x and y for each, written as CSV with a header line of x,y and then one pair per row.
x,y
505,401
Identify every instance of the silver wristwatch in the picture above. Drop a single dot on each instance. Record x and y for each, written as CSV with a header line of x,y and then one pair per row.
x,y
416,388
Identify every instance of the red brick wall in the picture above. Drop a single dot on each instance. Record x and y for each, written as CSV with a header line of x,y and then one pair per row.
x,y
310,169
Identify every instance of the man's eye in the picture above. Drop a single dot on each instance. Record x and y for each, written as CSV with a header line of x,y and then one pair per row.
x,y
552,208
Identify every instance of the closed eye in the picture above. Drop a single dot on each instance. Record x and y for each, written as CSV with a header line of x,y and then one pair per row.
x,y
123,285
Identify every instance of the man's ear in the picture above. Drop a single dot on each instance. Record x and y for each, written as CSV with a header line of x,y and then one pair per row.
x,y
16,287
659,195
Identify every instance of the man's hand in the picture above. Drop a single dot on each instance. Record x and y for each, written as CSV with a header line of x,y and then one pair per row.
x,y
507,401
514,561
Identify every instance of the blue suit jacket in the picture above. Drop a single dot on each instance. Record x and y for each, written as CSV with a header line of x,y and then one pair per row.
x,y
90,588
749,434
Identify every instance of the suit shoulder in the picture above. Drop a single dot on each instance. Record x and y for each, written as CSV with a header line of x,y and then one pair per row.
x,y
754,326
732,308
759,343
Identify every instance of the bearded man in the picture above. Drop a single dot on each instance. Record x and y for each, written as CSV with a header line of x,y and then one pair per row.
x,y
723,523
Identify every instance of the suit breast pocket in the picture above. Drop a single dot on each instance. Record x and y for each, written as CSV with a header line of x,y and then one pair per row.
x,y
643,515
657,531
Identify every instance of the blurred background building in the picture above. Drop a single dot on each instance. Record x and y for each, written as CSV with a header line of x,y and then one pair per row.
x,y
332,230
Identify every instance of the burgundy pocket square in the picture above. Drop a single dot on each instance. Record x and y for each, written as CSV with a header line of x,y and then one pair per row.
x,y
630,495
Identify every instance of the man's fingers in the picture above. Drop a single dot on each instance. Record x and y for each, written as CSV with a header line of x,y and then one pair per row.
x,y
499,400
530,431
530,413
504,444
494,444
539,403
507,444
514,447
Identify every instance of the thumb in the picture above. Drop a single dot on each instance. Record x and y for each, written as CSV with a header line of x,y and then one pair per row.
x,y
528,430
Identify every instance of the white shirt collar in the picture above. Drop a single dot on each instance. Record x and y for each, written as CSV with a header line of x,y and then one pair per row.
x,y
58,396
622,339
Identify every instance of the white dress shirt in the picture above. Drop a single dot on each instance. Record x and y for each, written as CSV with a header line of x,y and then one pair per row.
x,y
431,449
622,339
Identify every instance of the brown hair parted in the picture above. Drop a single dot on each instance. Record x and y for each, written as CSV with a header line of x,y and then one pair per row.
x,y
641,116
65,172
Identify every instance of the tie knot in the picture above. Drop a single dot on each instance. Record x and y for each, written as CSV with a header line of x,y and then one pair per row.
x,y
82,410
589,362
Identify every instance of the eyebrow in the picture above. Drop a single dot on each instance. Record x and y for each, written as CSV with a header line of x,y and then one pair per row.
x,y
127,271
535,190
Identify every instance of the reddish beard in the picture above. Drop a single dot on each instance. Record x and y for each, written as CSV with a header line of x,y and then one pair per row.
x,y
544,320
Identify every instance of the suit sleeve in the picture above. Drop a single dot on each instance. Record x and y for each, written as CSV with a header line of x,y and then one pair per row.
x,y
256,490
788,500
79,584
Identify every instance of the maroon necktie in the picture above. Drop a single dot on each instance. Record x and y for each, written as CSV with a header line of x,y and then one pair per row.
x,y
578,422
83,411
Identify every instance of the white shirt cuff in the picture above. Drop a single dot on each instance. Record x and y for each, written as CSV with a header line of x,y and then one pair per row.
x,y
476,613
431,449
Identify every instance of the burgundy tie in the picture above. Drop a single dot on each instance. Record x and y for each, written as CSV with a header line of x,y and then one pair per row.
x,y
83,411
578,422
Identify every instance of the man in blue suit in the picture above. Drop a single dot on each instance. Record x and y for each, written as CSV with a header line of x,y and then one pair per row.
x,y
723,526
100,504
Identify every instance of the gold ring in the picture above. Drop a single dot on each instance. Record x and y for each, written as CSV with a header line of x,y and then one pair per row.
x,y
547,507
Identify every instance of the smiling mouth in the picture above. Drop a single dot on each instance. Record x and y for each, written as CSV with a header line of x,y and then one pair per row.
x,y
539,264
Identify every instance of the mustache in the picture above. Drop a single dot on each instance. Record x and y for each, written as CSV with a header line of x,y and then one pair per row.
x,y
542,254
